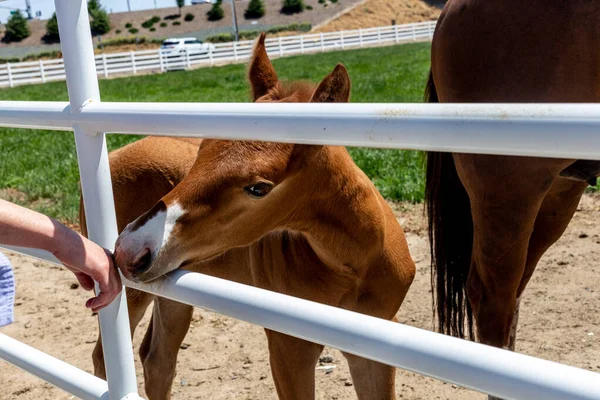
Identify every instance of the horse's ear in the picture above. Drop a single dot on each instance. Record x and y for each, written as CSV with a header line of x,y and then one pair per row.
x,y
261,74
335,88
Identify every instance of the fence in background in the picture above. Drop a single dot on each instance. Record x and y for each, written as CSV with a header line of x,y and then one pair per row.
x,y
136,62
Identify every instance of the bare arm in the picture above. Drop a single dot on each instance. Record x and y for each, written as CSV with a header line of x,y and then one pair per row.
x,y
20,226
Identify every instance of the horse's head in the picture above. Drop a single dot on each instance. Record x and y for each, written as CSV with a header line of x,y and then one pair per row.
x,y
235,193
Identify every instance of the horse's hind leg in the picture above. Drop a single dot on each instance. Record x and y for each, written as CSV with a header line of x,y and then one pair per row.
x,y
372,380
554,216
137,303
506,195
293,364
168,327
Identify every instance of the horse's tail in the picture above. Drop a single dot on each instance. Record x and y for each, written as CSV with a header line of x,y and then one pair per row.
x,y
450,238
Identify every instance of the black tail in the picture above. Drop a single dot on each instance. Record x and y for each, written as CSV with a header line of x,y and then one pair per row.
x,y
450,238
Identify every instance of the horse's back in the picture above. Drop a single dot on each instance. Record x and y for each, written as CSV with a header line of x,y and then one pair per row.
x,y
144,171
518,51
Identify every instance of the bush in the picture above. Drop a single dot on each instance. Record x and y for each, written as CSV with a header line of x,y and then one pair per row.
x,y
309,7
16,28
256,9
128,40
333,1
322,1
100,22
292,6
155,19
249,35
133,31
128,25
52,35
153,29
147,24
216,12
188,17
163,24
118,31
176,23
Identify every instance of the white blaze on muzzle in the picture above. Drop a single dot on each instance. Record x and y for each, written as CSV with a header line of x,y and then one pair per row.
x,y
154,234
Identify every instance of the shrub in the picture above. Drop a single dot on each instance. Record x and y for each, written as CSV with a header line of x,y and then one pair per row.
x,y
128,25
309,7
16,28
147,24
256,9
176,23
155,19
163,24
292,6
216,12
52,35
322,1
153,29
333,1
100,22
188,17
118,31
133,31
249,35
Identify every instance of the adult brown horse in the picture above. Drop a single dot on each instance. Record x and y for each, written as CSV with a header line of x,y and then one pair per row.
x,y
296,219
491,218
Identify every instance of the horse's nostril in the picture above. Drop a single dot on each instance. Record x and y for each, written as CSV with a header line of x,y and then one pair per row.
x,y
142,263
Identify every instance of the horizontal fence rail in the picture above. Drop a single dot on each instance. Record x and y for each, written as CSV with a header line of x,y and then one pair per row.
x,y
498,372
543,130
65,376
135,62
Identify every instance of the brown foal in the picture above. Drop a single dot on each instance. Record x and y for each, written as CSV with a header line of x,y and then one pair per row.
x,y
296,219
493,217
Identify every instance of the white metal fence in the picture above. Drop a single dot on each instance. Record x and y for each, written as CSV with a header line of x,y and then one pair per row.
x,y
531,129
135,62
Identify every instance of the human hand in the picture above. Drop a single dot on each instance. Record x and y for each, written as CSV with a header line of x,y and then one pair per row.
x,y
90,262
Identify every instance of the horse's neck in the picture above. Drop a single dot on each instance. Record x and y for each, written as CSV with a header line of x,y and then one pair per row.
x,y
345,223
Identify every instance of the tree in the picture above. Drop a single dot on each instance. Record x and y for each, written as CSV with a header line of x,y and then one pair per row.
x,y
52,30
180,4
292,6
216,12
256,9
16,28
100,22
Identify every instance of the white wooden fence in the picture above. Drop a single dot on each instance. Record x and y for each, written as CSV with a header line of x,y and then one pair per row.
x,y
135,62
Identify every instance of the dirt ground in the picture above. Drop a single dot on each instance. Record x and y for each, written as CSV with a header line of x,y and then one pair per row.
x,y
371,13
227,359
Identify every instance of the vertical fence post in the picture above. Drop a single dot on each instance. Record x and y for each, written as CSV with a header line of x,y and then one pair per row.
x,y
161,61
132,57
414,32
322,43
378,35
280,47
396,34
10,78
360,37
104,65
235,52
188,64
342,38
82,85
42,73
210,56
431,29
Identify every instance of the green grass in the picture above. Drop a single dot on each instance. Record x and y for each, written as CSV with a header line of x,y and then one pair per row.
x,y
43,164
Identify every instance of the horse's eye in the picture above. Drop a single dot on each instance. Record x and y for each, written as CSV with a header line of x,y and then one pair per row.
x,y
258,190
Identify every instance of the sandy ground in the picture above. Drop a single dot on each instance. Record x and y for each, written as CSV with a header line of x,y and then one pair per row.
x,y
227,359
373,13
